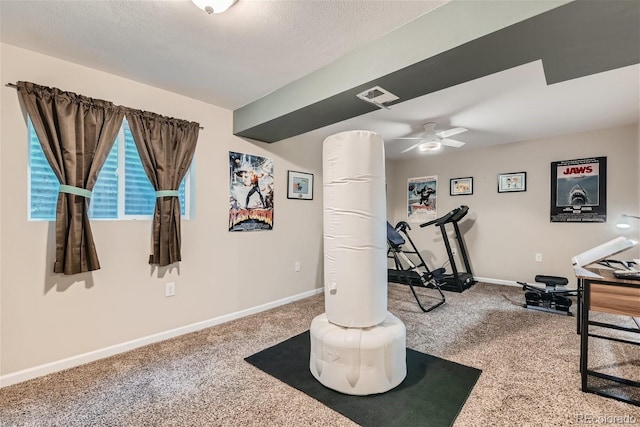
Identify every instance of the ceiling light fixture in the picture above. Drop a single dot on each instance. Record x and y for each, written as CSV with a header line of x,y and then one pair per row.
x,y
429,146
624,222
214,6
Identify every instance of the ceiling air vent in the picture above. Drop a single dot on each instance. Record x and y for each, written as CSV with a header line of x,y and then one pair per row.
x,y
377,96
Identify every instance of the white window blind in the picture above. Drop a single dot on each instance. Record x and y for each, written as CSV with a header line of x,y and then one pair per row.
x,y
130,198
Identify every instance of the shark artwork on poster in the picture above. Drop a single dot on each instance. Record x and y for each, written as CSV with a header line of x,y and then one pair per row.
x,y
579,190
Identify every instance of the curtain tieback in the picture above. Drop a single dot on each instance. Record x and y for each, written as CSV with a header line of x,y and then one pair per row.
x,y
75,190
167,193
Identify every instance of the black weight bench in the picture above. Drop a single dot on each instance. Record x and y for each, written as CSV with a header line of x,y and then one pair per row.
x,y
552,298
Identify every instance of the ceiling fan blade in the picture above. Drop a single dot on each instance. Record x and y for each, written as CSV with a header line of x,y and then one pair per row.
x,y
451,132
452,143
409,149
415,138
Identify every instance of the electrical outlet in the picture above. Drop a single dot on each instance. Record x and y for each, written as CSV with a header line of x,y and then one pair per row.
x,y
170,289
454,251
296,266
538,257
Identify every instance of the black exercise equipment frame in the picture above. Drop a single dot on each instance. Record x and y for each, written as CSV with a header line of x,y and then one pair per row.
x,y
553,298
458,281
411,276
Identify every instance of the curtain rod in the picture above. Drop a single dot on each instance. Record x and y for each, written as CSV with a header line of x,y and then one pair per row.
x,y
15,86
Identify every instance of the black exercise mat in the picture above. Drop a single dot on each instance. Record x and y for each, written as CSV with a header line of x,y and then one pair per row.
x,y
432,394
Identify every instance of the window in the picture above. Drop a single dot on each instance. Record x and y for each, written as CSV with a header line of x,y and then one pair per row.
x,y
113,198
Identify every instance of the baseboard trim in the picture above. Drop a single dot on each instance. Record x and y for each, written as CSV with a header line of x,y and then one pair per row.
x,y
496,281
81,359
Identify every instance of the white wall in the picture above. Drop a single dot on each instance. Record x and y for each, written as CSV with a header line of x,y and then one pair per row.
x,y
46,317
503,231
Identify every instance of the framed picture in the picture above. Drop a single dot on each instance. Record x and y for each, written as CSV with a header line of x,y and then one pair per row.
x,y
461,186
250,192
300,186
512,182
579,190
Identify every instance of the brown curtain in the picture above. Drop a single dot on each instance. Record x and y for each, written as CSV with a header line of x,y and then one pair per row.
x,y
166,147
76,134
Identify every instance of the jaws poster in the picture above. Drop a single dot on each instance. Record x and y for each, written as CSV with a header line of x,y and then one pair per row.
x,y
579,190
250,192
421,199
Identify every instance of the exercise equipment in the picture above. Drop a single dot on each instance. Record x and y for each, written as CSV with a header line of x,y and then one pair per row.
x,y
457,280
411,272
357,346
552,298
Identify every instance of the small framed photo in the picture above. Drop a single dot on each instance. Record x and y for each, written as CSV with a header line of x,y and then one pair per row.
x,y
512,182
461,186
300,186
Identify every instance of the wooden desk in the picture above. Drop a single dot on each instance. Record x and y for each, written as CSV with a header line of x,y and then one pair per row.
x,y
614,296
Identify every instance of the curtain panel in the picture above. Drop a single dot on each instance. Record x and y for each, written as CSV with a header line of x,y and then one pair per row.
x,y
76,134
166,147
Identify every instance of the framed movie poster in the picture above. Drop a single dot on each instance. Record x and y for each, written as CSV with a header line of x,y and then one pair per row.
x,y
421,199
250,192
579,190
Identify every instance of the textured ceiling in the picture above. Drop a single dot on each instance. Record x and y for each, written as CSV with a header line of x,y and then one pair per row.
x,y
227,59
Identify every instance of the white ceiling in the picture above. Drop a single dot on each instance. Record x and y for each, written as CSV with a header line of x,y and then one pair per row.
x,y
258,46
228,59
510,106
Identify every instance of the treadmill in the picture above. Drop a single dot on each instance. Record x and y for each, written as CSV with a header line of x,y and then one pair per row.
x,y
456,281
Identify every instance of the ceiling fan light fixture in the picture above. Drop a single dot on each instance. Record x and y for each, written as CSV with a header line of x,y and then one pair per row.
x,y
214,6
429,146
432,141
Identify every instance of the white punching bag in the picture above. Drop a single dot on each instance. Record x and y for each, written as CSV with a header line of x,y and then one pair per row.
x,y
355,226
357,346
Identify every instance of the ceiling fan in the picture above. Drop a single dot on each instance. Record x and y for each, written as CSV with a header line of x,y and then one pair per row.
x,y
432,140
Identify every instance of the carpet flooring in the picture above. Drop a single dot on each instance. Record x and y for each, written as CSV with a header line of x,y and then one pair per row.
x,y
432,394
529,362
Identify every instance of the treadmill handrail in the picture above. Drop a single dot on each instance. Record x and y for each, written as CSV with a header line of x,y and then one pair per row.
x,y
426,224
455,215
439,221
